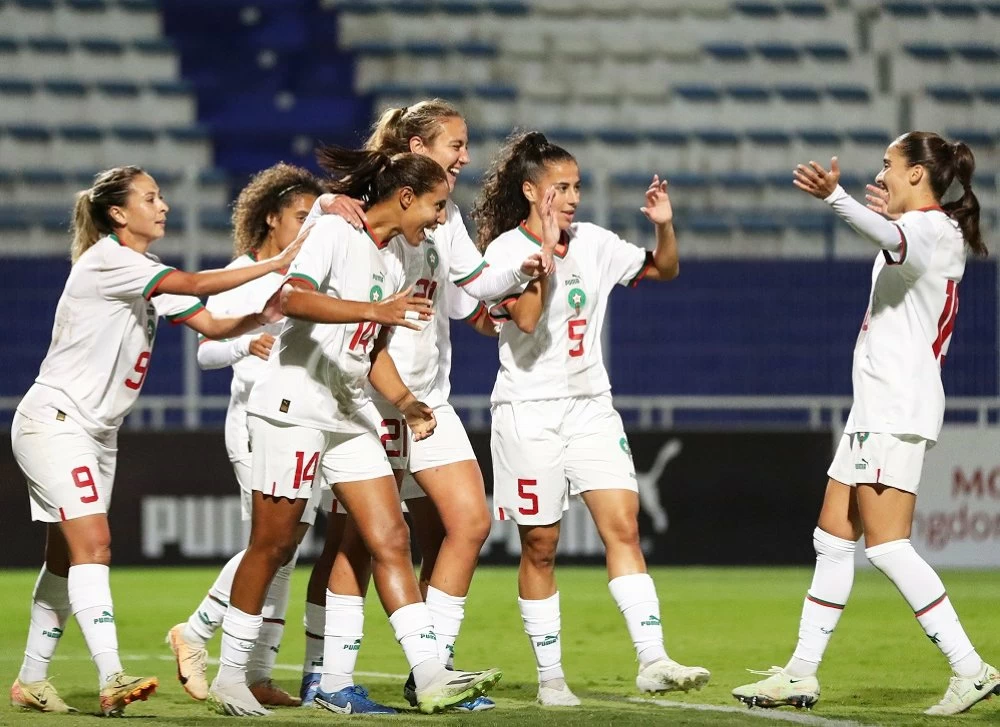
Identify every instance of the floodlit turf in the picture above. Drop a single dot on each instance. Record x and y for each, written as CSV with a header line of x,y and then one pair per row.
x,y
880,668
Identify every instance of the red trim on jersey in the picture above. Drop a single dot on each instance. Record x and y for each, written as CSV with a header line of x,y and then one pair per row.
x,y
936,602
473,275
500,514
946,323
188,314
62,515
931,208
821,602
371,233
902,250
644,271
333,508
562,247
477,314
878,476
157,284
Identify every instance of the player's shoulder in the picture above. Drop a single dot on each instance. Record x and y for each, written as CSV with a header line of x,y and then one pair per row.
x,y
588,231
241,261
333,227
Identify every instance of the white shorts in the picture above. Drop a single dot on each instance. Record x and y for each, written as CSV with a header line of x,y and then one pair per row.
x,y
895,460
321,498
290,461
448,444
70,474
546,451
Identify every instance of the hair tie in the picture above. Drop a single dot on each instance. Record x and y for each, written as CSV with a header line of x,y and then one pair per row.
x,y
403,110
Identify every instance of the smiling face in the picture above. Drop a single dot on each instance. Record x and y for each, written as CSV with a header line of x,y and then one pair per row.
x,y
564,177
422,212
898,178
285,225
450,147
144,215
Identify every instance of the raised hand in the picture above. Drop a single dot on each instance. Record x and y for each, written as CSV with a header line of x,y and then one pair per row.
x,y
877,200
352,210
283,259
261,345
538,264
815,180
420,419
403,310
658,209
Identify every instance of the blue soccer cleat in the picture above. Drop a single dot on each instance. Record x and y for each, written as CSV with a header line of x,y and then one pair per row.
x,y
479,704
350,700
310,685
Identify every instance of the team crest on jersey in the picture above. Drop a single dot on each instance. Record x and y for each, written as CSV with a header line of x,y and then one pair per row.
x,y
623,443
577,298
151,319
432,258
375,294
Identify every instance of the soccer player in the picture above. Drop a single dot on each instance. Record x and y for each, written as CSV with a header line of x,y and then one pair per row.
x,y
310,418
267,217
64,433
897,412
555,432
445,494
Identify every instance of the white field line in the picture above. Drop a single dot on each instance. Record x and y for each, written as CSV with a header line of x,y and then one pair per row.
x,y
771,714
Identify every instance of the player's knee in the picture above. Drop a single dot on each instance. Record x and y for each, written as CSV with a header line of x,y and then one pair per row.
x,y
623,531
476,528
97,552
390,543
540,552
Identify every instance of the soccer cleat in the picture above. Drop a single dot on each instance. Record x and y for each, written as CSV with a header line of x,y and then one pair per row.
x,y
192,663
350,700
270,694
557,697
454,687
40,696
122,690
234,700
964,692
669,676
310,684
479,704
410,691
779,689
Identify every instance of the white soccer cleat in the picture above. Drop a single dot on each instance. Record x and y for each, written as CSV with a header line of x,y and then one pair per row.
x,y
557,697
453,687
964,692
234,700
779,689
192,663
40,696
669,676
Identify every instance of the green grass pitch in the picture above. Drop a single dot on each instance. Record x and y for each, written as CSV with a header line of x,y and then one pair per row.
x,y
880,670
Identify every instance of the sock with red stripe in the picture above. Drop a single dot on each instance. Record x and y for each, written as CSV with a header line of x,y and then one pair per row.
x,y
207,618
824,602
265,651
924,591
314,622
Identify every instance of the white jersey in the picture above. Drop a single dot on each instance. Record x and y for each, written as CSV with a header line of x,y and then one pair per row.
x,y
907,329
563,357
316,375
447,258
246,299
102,337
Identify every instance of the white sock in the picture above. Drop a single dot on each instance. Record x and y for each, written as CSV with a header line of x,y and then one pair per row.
x,y
542,623
89,590
448,613
265,651
414,629
345,623
636,598
314,621
239,633
831,586
49,613
207,618
924,591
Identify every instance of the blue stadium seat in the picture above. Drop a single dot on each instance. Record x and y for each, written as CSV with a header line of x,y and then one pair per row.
x,y
668,137
769,137
118,87
104,46
54,219
798,93
566,135
496,91
459,7
81,133
140,6
375,48
44,176
748,92
927,51
51,45
760,223
65,87
631,179
165,177
16,86
717,137
807,10
977,52
849,94
780,179
29,132
13,219
706,222
989,94
820,137
828,51
196,132
778,51
985,180
956,10
217,219
973,137
171,88
9,45
618,136
508,8
907,9
739,180
686,180
134,133
697,92
949,93
811,221
426,49
87,5
450,91
37,4
727,51
870,136
7,176
153,46
477,48
756,9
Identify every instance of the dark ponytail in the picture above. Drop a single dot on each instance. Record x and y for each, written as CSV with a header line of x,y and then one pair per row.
x,y
371,175
947,163
501,204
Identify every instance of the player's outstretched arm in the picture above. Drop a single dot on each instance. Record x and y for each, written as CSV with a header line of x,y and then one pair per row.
x,y
300,300
658,210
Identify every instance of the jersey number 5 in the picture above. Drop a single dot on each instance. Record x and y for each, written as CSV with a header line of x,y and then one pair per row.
x,y
530,497
577,327
141,367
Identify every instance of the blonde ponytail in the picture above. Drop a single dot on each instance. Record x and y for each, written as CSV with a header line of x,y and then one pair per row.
x,y
91,220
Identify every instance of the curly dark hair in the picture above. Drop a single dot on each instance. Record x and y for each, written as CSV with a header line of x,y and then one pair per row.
x,y
268,193
501,204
